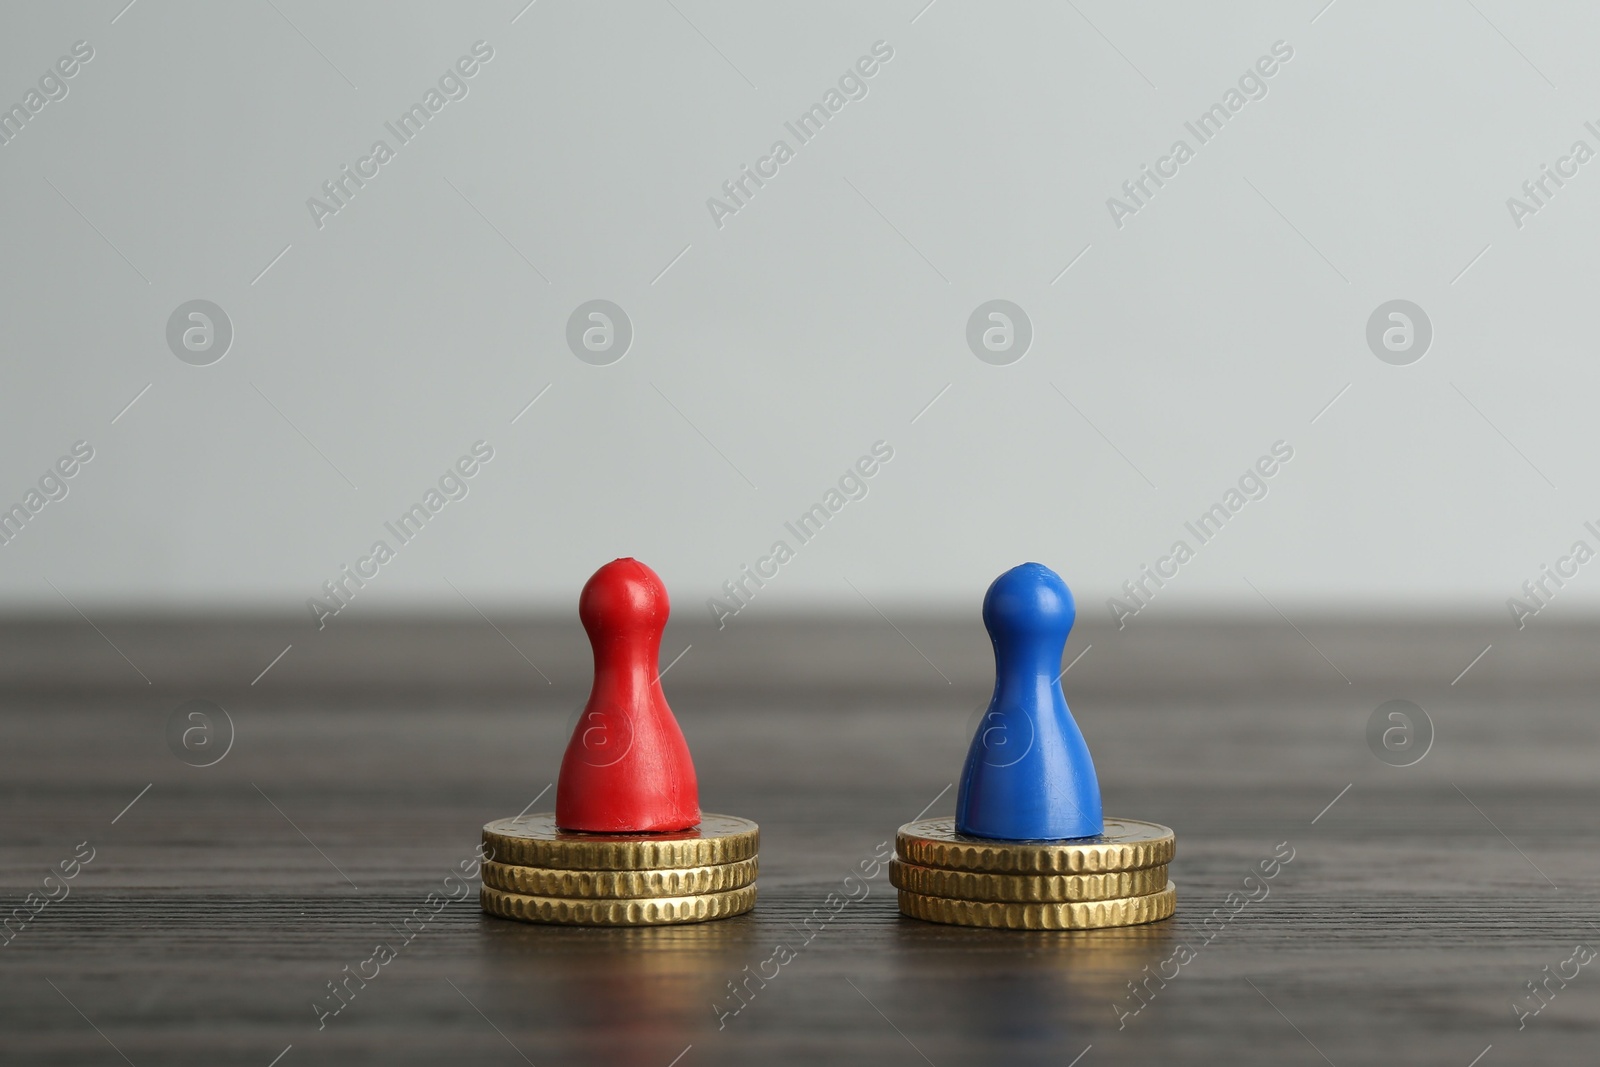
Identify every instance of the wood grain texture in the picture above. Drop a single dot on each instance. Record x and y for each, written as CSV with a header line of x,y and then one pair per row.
x,y
220,904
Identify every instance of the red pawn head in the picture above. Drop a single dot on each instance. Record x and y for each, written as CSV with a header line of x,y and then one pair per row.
x,y
627,768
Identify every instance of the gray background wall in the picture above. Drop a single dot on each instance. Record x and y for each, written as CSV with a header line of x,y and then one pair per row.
x,y
825,315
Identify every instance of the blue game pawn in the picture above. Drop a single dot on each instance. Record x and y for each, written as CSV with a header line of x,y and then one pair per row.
x,y
1028,774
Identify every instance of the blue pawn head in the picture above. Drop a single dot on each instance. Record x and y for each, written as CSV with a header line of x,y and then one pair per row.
x,y
1028,774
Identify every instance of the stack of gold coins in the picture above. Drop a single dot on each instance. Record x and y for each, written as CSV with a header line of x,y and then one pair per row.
x,y
537,873
1116,879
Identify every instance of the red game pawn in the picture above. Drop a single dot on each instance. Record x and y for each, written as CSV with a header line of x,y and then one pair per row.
x,y
627,768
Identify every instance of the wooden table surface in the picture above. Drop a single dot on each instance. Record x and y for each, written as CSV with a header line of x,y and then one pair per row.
x,y
221,900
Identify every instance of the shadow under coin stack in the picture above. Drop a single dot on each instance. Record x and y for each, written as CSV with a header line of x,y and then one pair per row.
x,y
545,875
1028,848
627,844
1116,879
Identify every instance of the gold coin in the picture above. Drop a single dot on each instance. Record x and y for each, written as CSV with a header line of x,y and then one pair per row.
x,y
647,911
1024,888
620,885
1125,845
1086,915
534,841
